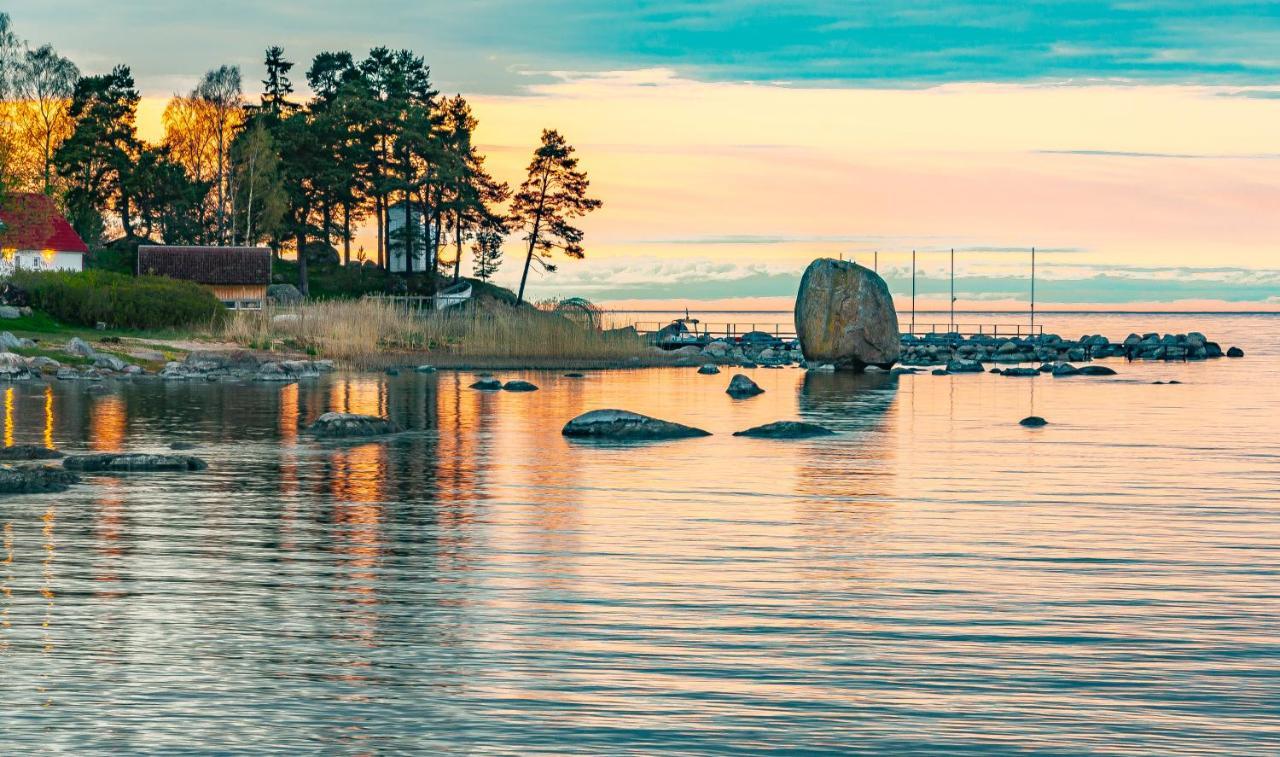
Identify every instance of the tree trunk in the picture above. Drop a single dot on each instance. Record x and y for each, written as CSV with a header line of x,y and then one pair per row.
x,y
457,242
346,232
302,254
377,211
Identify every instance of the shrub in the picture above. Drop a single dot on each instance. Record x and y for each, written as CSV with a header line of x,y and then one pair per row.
x,y
120,301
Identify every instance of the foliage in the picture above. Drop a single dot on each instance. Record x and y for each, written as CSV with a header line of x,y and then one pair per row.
x,y
143,302
486,254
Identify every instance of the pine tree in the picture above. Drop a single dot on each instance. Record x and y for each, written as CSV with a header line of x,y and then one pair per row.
x,y
486,254
553,194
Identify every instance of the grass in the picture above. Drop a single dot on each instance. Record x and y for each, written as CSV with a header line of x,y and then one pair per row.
x,y
370,333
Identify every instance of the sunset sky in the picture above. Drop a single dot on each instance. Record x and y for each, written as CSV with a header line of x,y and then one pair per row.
x,y
1136,143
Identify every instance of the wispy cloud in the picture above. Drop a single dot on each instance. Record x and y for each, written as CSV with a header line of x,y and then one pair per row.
x,y
1164,155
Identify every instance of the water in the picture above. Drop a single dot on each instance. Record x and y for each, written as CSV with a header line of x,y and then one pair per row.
x,y
934,579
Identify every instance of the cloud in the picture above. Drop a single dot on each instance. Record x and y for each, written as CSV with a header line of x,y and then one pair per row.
x,y
649,278
1164,155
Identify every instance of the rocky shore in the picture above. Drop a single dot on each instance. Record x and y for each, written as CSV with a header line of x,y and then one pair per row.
x,y
968,354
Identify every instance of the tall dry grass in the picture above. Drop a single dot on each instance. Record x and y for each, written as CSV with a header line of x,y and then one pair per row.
x,y
368,333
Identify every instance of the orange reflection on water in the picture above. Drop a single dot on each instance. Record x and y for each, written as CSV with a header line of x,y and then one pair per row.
x,y
108,422
108,527
48,418
8,417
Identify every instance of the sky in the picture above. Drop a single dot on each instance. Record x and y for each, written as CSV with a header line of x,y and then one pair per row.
x,y
1135,143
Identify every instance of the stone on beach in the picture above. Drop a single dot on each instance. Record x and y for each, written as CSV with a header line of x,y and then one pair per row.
x,y
519,386
80,348
340,425
845,316
786,430
624,425
740,386
132,462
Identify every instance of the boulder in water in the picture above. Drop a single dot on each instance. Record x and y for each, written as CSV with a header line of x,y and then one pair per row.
x,y
623,425
1095,370
786,430
845,316
29,452
1033,421
34,479
344,425
520,386
487,385
132,462
1235,352
708,370
740,386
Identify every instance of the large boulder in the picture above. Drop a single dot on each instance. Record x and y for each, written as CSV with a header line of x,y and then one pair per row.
x,y
622,425
845,316
343,425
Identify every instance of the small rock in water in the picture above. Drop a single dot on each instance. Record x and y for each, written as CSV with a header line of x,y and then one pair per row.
x,y
740,386
393,371
1024,372
1033,421
132,462
29,452
519,386
708,370
940,372
575,375
425,369
624,425
786,430
1235,352
1095,370
339,425
181,446
1175,381
1065,369
487,385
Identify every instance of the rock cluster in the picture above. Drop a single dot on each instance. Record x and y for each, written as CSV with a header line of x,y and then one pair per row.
x,y
241,365
968,354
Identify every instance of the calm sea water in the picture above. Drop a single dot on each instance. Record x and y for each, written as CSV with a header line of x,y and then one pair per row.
x,y
933,579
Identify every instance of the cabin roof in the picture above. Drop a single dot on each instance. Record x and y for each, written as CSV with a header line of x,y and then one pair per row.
x,y
215,266
32,222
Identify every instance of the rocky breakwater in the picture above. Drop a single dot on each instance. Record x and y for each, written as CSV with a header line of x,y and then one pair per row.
x,y
961,354
845,317
242,366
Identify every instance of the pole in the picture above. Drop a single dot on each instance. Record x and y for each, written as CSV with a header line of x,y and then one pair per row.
x,y
876,261
1033,291
953,289
913,291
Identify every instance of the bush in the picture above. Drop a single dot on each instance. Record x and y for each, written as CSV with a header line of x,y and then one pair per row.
x,y
120,301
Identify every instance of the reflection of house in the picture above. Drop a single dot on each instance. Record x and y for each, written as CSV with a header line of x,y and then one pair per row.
x,y
396,236
237,275
36,236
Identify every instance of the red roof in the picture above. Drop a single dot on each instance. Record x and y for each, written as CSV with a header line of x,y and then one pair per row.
x,y
32,222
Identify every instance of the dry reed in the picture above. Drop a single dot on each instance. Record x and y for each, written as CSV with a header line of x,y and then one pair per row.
x,y
368,333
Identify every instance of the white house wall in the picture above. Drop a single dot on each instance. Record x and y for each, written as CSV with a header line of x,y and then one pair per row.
x,y
36,260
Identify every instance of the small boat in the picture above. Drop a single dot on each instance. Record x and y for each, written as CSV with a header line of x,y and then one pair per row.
x,y
682,332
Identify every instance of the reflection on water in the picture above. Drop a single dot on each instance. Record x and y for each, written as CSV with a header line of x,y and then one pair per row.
x,y
933,577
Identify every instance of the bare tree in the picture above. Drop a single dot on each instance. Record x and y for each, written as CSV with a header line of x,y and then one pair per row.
x,y
43,86
222,92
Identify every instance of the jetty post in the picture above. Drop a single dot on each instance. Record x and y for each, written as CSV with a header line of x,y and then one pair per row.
x,y
913,291
1033,291
953,290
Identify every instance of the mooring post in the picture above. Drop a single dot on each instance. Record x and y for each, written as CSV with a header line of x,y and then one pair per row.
x,y
913,291
953,290
1033,291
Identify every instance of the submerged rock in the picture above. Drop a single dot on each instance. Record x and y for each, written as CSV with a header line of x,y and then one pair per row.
x,y
425,369
132,462
1022,372
30,452
1033,421
959,365
575,375
342,425
519,386
1235,352
1095,370
786,430
740,386
624,425
1065,369
34,479
180,446
940,372
845,316
708,370
487,385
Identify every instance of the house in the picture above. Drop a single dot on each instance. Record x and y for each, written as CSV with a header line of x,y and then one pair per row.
x,y
421,231
35,236
238,276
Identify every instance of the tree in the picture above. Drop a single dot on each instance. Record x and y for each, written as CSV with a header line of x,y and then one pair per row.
x,y
98,158
258,194
220,92
44,84
469,195
553,194
9,45
486,254
277,87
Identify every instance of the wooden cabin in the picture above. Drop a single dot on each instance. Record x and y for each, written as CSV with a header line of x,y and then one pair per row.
x,y
238,276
